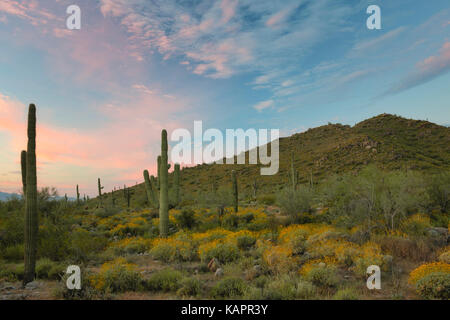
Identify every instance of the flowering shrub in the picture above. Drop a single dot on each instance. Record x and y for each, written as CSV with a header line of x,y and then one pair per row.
x,y
278,259
131,245
427,269
116,276
435,285
224,251
172,249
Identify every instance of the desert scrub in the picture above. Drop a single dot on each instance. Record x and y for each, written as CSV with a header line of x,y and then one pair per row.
x,y
164,280
416,225
84,244
117,276
435,285
170,249
278,259
324,277
12,272
346,294
245,242
136,227
47,269
229,287
190,287
130,246
14,253
426,269
223,251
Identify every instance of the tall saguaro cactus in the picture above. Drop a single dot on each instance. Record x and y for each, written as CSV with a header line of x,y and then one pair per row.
x,y
78,195
293,174
148,189
100,187
23,164
31,214
235,190
164,188
176,182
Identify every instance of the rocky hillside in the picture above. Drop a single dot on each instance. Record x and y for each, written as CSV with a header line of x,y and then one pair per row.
x,y
388,141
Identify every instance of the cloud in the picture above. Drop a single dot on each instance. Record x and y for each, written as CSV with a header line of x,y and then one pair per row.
x,y
263,105
220,39
119,149
425,71
373,43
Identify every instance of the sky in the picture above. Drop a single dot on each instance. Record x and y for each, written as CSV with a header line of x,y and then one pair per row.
x,y
105,92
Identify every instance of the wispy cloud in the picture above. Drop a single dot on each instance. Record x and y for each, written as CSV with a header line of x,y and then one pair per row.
x,y
425,71
263,105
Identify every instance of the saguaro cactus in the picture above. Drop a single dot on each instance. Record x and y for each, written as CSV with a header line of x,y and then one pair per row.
x,y
164,188
23,164
129,193
293,174
113,200
148,189
100,187
31,215
176,182
235,190
78,195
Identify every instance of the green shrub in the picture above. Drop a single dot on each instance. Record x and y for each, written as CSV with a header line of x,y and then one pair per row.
x,y
436,285
245,242
293,203
164,280
185,219
47,269
106,212
12,272
85,243
117,276
282,288
323,277
346,294
267,199
305,290
225,252
229,287
190,287
14,253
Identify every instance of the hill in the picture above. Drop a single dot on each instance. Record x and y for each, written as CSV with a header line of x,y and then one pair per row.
x,y
388,141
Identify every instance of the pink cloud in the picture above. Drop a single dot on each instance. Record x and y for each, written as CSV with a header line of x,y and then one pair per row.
x,y
120,150
426,70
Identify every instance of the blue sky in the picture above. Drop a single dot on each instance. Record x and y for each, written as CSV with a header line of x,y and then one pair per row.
x,y
104,92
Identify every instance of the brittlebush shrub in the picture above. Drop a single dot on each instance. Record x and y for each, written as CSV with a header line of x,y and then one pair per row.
x,y
117,276
346,294
278,259
164,280
435,285
445,257
223,251
324,277
170,250
426,269
229,287
190,287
